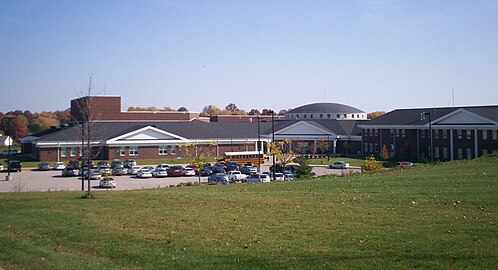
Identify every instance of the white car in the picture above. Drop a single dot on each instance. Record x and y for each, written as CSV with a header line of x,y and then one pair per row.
x,y
339,165
59,166
163,166
258,178
133,169
236,176
1,167
279,176
188,172
160,172
144,173
107,183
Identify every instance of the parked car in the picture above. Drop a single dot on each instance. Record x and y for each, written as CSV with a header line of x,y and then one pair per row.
x,y
104,170
339,165
163,166
107,183
85,163
206,171
218,178
129,163
175,171
289,175
160,172
219,169
12,152
59,166
258,177
236,176
94,174
291,167
15,166
278,176
188,172
248,170
116,164
1,167
103,164
74,163
82,170
44,166
405,163
133,169
144,173
118,171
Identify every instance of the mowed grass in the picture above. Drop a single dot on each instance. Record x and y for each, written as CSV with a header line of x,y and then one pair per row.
x,y
430,217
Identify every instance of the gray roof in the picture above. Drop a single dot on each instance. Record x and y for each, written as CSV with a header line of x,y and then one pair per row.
x,y
191,130
412,116
325,108
196,129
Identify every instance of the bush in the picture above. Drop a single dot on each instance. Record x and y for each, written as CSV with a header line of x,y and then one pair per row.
x,y
371,164
304,169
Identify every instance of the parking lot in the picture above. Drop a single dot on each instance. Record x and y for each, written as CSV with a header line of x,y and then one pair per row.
x,y
32,180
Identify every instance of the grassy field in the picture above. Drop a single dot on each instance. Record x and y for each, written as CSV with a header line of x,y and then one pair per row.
x,y
430,217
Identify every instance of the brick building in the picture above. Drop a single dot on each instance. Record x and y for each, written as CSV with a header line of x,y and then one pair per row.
x,y
457,133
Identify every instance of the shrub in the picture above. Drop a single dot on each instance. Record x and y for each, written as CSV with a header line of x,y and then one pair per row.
x,y
304,167
371,164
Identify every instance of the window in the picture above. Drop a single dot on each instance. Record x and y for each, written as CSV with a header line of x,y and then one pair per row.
x,y
392,132
436,152
63,152
459,133
80,151
445,153
365,147
304,116
445,134
376,132
163,150
403,133
133,151
459,152
371,147
484,152
173,150
72,151
122,151
297,116
436,134
352,116
328,115
311,115
368,132
376,148
397,132
469,153
468,134
345,116
422,133
321,116
338,116
494,135
484,135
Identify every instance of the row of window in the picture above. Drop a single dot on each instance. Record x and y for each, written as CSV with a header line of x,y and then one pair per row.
x,y
329,116
438,152
443,133
132,151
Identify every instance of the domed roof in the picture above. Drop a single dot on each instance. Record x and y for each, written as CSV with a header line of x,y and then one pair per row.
x,y
325,108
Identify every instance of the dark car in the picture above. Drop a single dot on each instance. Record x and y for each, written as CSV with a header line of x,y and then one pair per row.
x,y
85,162
175,171
103,164
44,166
69,172
74,163
119,171
206,171
221,178
116,164
219,169
130,163
15,166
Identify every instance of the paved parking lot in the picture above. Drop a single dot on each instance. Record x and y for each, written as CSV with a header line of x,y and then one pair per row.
x,y
32,180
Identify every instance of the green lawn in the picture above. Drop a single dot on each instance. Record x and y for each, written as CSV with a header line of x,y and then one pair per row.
x,y
430,217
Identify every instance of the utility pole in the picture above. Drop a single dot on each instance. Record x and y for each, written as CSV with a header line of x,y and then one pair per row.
x,y
273,141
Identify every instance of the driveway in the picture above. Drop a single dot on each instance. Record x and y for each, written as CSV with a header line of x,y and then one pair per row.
x,y
31,180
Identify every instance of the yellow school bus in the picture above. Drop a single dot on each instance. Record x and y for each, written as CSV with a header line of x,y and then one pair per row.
x,y
253,157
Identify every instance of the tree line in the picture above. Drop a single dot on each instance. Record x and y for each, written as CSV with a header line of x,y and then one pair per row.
x,y
212,110
18,124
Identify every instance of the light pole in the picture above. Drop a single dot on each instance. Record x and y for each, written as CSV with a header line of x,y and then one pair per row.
x,y
422,116
9,165
259,144
231,147
273,141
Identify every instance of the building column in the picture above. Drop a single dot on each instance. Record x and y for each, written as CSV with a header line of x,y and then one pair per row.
x,y
452,152
335,146
314,146
476,141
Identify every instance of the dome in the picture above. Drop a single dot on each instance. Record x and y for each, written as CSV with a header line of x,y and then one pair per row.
x,y
325,108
